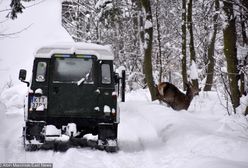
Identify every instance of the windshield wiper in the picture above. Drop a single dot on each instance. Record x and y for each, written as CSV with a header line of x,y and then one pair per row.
x,y
82,80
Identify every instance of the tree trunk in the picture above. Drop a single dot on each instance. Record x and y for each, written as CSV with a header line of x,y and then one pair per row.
x,y
136,30
230,52
211,48
159,43
245,39
191,42
148,48
243,62
184,47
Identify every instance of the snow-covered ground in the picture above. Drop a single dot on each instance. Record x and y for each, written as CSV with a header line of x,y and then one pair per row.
x,y
150,134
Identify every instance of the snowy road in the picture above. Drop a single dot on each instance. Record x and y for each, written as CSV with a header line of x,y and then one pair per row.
x,y
150,135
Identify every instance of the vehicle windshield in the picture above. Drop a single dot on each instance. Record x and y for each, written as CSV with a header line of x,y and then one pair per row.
x,y
72,70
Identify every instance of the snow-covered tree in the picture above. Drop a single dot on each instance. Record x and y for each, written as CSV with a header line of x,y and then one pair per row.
x,y
147,46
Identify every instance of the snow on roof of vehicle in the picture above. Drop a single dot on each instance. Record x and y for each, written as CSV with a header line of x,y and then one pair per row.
x,y
102,52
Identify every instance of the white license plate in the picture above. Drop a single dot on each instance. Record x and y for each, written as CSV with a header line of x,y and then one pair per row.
x,y
39,101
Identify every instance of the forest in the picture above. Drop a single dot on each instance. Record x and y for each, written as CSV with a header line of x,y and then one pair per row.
x,y
202,41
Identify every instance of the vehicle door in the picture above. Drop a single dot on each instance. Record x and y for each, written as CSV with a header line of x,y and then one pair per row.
x,y
72,90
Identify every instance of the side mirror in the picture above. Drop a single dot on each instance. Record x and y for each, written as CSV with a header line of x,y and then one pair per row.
x,y
22,75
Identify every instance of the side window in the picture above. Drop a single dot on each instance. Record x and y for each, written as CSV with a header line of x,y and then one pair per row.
x,y
106,75
41,72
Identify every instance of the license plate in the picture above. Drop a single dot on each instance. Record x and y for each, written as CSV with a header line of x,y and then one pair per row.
x,y
39,101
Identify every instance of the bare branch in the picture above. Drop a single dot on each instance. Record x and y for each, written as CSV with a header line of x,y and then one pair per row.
x,y
4,35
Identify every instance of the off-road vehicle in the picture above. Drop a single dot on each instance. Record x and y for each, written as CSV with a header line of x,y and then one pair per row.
x,y
73,93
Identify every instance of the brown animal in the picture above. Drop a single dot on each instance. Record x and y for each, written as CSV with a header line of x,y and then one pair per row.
x,y
171,95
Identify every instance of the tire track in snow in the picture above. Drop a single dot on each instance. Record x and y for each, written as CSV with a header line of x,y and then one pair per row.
x,y
137,133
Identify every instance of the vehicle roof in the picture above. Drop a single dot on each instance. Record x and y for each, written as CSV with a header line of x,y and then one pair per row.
x,y
102,52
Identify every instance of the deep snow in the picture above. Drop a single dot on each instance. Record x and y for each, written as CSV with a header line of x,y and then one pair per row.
x,y
150,134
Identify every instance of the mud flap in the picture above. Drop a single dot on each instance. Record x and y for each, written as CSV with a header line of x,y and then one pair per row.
x,y
107,137
33,135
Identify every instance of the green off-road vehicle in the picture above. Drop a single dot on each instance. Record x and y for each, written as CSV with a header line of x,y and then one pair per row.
x,y
73,98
